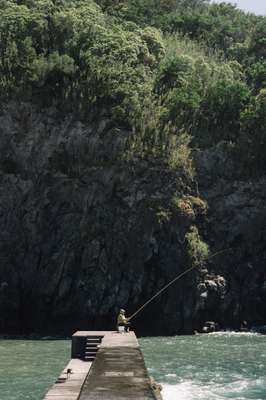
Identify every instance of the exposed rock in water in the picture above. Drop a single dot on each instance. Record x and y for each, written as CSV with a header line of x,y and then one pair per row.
x,y
83,234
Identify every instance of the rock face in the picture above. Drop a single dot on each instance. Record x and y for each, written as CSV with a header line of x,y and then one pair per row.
x,y
236,222
83,234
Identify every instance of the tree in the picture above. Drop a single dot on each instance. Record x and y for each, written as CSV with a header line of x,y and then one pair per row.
x,y
253,134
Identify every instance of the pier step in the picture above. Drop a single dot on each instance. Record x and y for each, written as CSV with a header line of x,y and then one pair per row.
x,y
93,342
91,347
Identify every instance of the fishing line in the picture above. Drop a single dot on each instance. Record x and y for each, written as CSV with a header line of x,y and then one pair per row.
x,y
171,283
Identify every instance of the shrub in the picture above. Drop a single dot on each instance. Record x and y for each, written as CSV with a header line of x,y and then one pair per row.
x,y
198,250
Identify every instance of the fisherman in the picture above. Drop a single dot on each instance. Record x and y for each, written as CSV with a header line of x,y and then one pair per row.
x,y
123,321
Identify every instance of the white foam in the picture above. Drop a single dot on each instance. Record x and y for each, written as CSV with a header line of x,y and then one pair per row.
x,y
188,391
176,392
232,333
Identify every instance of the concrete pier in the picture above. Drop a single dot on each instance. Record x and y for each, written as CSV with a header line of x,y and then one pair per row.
x,y
105,366
68,387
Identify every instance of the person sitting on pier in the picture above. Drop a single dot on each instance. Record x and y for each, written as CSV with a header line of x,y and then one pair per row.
x,y
123,321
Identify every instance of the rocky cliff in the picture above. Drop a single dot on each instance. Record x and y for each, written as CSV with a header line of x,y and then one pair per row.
x,y
236,222
83,234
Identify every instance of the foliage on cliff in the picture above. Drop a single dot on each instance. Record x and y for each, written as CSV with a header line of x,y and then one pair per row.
x,y
202,73
104,106
72,55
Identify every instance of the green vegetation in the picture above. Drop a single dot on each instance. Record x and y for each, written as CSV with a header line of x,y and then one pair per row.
x,y
115,117
171,74
71,55
198,251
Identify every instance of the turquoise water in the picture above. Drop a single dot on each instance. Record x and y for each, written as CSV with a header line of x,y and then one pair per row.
x,y
207,367
28,368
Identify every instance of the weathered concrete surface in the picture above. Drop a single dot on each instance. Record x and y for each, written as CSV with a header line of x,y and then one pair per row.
x,y
119,371
120,340
70,389
110,338
90,333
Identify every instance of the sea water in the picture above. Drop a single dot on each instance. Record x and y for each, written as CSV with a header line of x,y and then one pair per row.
x,y
216,366
28,368
208,367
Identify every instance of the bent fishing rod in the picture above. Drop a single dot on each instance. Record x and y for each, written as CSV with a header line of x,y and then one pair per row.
x,y
171,283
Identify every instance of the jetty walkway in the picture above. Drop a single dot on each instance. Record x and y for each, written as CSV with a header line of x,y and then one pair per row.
x,y
104,366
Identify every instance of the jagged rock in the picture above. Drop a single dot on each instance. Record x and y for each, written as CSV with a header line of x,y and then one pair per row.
x,y
83,234
236,224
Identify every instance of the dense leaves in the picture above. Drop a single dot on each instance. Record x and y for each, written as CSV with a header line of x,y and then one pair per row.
x,y
70,54
201,76
253,139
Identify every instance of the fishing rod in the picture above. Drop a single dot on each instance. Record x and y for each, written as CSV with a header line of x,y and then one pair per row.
x,y
172,282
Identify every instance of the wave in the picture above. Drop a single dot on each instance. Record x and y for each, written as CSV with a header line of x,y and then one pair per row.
x,y
187,391
238,390
232,333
